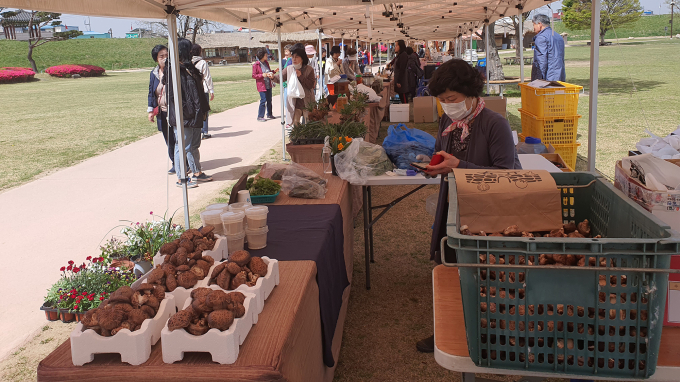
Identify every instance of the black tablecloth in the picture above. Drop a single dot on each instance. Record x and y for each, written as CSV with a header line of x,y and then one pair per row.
x,y
312,232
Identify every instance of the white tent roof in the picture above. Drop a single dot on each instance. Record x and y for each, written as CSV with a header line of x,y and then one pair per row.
x,y
419,19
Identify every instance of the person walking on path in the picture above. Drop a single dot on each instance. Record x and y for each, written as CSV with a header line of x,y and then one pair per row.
x,y
157,107
195,107
263,76
548,52
208,88
401,80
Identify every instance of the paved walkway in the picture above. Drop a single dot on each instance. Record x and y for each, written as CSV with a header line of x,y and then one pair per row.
x,y
65,216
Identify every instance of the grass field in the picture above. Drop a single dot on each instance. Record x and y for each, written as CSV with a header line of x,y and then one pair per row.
x,y
110,54
54,123
624,111
646,26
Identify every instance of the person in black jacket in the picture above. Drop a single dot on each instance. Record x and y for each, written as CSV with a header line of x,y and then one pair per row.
x,y
159,53
195,109
413,71
401,81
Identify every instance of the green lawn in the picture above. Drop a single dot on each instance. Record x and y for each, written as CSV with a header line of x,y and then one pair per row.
x,y
624,110
54,123
110,54
644,27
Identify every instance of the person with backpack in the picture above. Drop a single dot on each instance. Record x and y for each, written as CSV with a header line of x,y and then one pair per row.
x,y
195,108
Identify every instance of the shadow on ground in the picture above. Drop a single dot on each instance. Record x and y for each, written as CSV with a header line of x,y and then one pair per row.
x,y
234,134
619,85
217,163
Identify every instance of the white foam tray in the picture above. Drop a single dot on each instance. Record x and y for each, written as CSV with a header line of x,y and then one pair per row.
x,y
264,285
180,293
223,346
218,252
133,347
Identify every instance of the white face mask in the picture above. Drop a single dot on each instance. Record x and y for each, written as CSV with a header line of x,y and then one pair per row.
x,y
455,111
297,66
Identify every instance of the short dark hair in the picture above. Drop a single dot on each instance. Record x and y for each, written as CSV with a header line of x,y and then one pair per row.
x,y
196,50
157,49
350,52
409,50
288,48
261,53
458,76
302,54
297,46
184,50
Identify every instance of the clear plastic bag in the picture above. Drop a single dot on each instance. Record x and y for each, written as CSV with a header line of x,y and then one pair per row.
x,y
361,160
299,187
273,171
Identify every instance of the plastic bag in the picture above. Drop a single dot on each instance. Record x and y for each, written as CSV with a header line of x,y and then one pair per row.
x,y
299,187
664,148
294,91
361,160
656,174
273,171
403,145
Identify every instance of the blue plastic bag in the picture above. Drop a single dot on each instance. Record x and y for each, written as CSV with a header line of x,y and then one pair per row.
x,y
403,144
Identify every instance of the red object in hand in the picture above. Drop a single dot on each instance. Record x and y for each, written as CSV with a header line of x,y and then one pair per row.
x,y
436,159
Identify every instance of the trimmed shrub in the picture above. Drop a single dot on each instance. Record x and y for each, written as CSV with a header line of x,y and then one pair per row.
x,y
69,70
11,74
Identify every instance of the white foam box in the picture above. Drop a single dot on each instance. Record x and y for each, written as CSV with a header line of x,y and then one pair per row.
x,y
264,285
218,252
223,346
133,347
400,112
180,294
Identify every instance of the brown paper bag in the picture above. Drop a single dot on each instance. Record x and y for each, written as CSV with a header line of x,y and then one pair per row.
x,y
492,200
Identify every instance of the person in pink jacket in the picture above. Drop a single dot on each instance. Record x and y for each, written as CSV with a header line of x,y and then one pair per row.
x,y
263,79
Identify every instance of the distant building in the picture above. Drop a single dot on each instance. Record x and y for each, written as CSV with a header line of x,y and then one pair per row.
x,y
16,27
648,13
58,28
141,33
95,35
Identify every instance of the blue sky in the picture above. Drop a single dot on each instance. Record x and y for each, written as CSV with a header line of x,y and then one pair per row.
x,y
120,26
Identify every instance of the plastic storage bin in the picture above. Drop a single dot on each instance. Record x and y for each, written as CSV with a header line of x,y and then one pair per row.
x,y
551,102
590,320
212,217
262,199
559,131
235,242
232,222
218,206
257,238
256,217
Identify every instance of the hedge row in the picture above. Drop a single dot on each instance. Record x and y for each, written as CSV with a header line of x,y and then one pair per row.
x,y
70,70
11,74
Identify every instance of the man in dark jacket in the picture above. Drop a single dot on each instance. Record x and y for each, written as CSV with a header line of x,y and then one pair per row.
x,y
195,108
548,52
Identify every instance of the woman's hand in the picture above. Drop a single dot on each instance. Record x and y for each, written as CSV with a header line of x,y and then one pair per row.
x,y
151,117
450,162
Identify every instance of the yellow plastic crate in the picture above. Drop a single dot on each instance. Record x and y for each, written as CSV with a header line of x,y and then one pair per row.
x,y
568,152
552,102
560,131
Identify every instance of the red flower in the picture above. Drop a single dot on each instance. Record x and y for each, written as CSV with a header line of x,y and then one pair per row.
x,y
75,306
90,298
69,268
84,293
76,269
101,298
88,258
62,269
70,262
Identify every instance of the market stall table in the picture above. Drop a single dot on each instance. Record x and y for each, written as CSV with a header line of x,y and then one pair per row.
x,y
451,349
528,161
285,344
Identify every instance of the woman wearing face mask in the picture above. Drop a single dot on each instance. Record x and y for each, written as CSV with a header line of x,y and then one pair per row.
x,y
306,77
470,136
350,65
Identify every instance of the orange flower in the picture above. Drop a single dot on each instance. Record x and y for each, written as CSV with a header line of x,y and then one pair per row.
x,y
348,139
340,146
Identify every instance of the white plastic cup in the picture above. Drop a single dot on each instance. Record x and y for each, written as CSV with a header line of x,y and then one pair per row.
x,y
257,238
212,217
244,197
232,222
235,242
256,217
218,206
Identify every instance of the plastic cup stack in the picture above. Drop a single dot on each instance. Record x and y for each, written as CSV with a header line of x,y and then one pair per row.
x,y
236,238
256,227
212,217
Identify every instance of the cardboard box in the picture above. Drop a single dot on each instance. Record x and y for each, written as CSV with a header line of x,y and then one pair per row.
x,y
492,200
400,113
664,205
497,104
557,158
672,316
425,109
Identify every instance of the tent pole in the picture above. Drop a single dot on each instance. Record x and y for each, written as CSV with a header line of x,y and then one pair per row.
x,y
321,93
179,116
283,108
521,45
486,47
592,93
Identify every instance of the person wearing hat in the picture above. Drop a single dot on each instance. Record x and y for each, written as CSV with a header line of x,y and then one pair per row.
x,y
305,75
350,66
333,64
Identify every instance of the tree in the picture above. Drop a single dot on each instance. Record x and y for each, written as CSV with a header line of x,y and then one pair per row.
x,y
676,7
67,35
614,13
493,60
37,21
186,26
512,22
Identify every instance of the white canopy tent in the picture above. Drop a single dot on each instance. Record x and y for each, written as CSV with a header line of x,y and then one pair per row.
x,y
368,20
